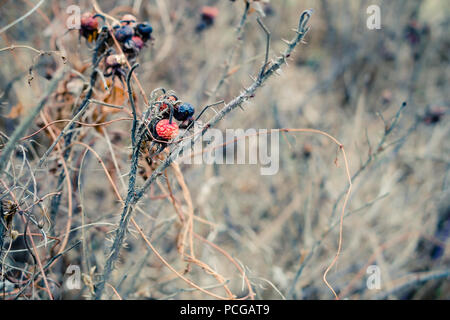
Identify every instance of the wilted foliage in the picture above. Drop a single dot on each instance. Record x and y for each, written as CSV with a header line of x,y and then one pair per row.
x,y
94,120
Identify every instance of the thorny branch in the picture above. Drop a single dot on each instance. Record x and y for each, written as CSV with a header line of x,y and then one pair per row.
x,y
126,213
134,195
227,63
246,95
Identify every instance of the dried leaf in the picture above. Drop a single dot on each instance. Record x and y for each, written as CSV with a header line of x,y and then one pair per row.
x,y
233,70
16,111
116,96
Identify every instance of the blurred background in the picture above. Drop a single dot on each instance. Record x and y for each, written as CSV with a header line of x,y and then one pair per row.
x,y
282,231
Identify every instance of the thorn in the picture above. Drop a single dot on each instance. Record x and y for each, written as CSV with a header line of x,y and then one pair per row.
x,y
214,110
286,41
246,91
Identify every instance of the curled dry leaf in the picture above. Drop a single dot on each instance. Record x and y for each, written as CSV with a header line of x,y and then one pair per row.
x,y
16,111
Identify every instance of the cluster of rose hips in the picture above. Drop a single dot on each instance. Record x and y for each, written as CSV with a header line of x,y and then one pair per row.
x,y
167,116
131,35
163,126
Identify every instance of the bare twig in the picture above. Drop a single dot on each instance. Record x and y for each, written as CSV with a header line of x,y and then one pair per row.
x,y
372,156
229,60
26,15
267,32
25,124
133,106
47,265
414,279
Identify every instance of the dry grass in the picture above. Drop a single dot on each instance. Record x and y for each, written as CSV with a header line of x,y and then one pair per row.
x,y
225,231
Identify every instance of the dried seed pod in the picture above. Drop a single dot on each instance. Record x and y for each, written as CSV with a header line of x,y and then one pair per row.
x,y
115,60
164,106
89,27
128,20
14,234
